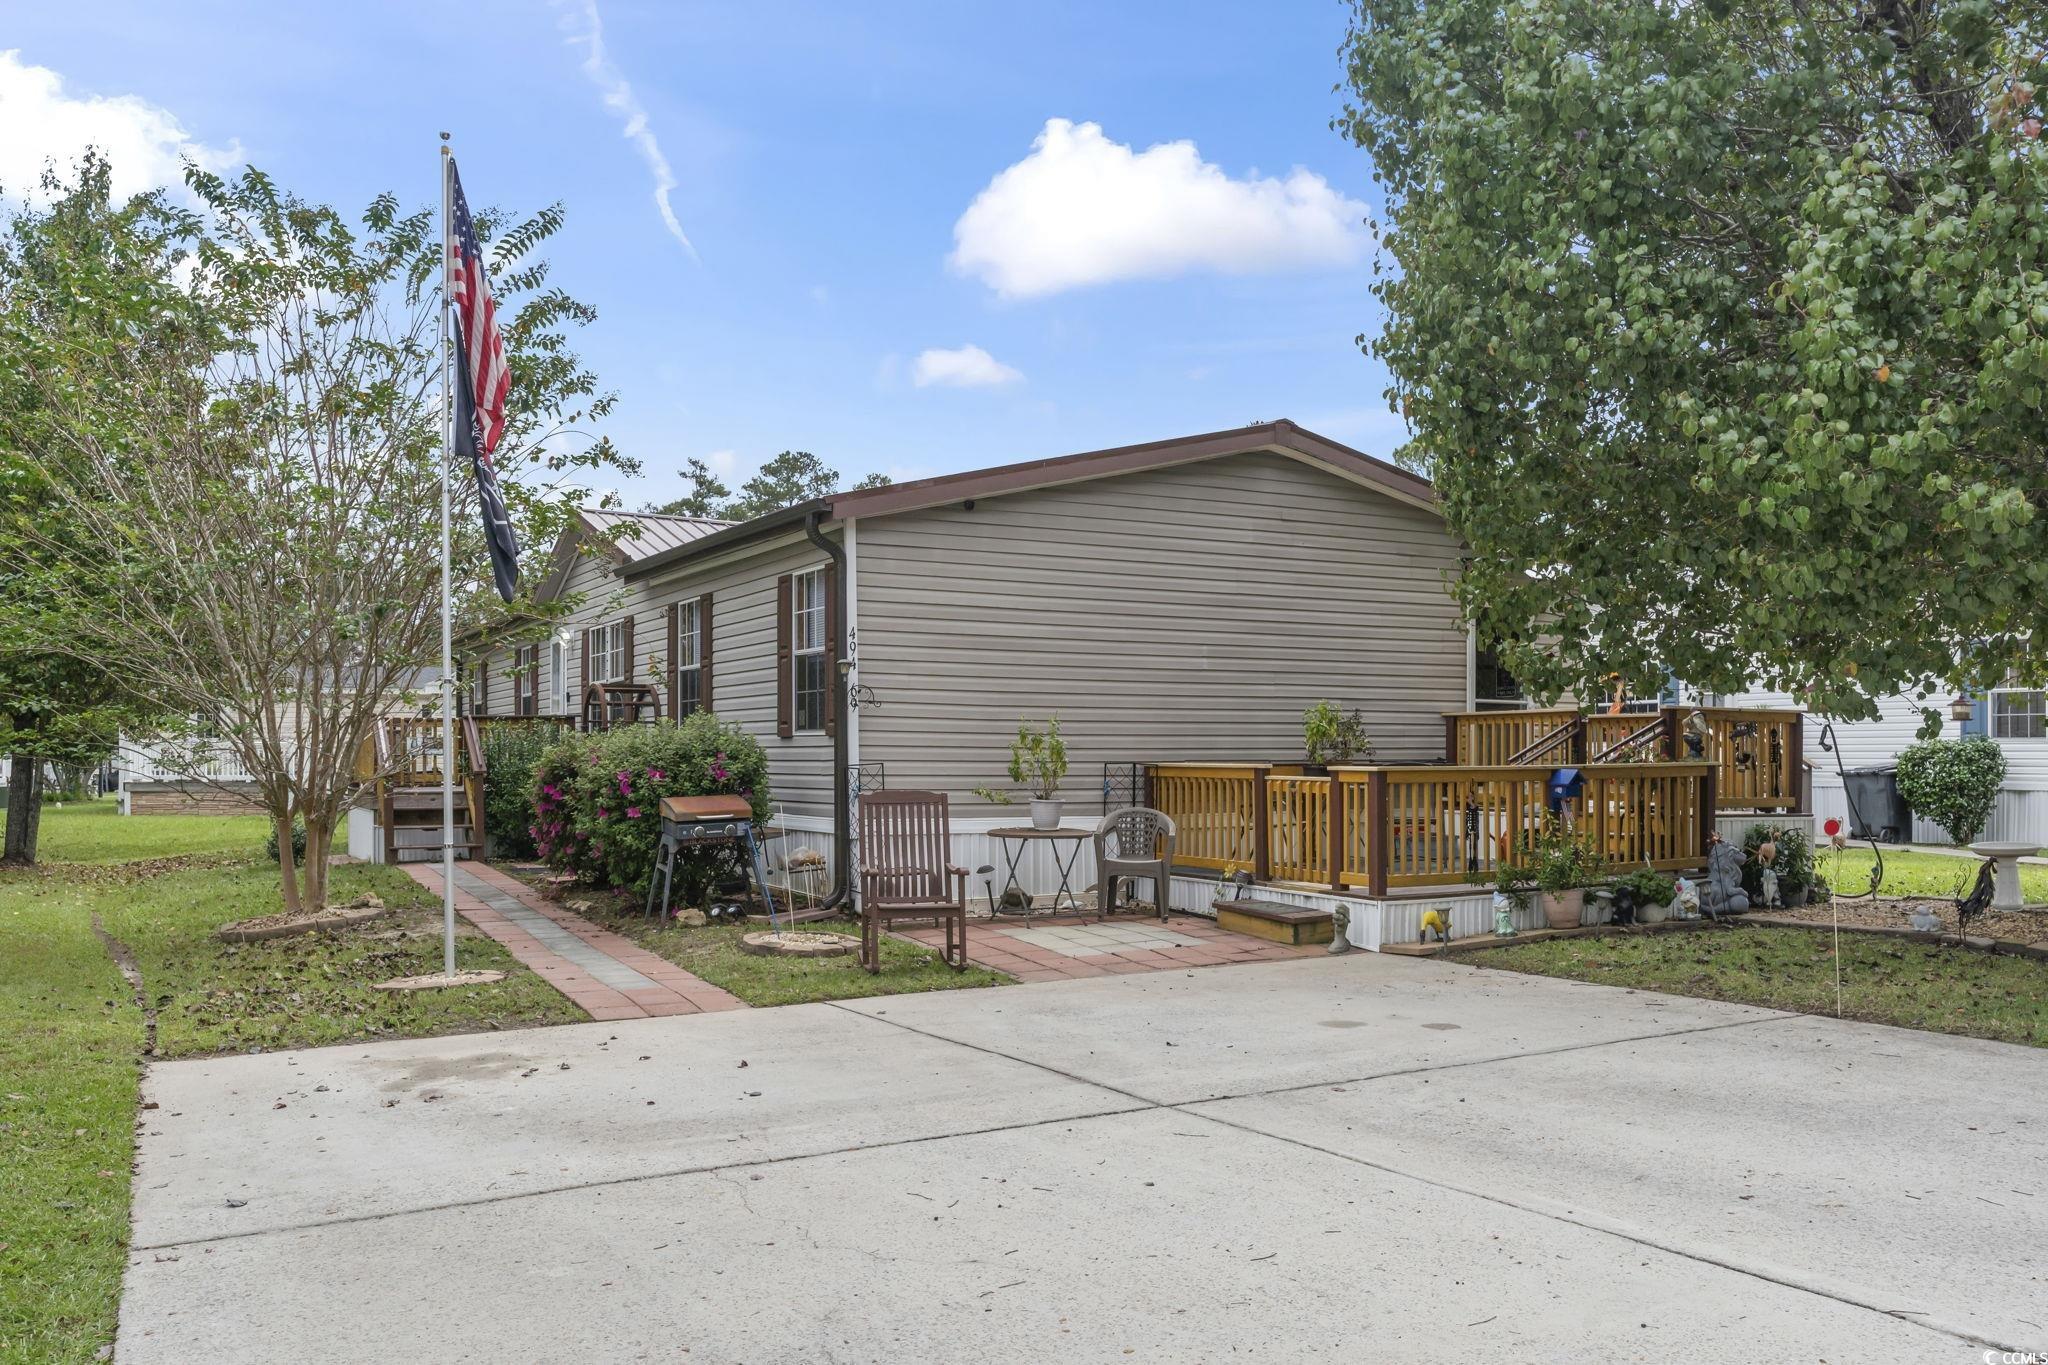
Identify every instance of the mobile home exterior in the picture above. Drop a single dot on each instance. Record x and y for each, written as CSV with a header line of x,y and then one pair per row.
x,y
1173,601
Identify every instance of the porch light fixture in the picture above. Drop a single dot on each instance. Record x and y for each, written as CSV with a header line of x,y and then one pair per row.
x,y
1961,708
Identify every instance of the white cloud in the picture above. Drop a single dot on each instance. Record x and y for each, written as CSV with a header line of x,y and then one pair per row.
x,y
41,122
966,367
586,30
724,463
1083,210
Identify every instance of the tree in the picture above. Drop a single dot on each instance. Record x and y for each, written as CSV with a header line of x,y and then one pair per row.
x,y
792,477
248,486
707,491
73,271
1723,330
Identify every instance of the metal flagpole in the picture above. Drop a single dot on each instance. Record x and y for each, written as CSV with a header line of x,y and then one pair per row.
x,y
447,605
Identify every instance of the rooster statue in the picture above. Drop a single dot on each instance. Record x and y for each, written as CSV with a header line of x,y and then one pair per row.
x,y
1973,906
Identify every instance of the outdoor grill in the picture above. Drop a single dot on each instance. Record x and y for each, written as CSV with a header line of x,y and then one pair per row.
x,y
696,821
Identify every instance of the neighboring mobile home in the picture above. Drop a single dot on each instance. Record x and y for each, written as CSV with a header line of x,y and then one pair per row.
x,y
2015,717
1173,601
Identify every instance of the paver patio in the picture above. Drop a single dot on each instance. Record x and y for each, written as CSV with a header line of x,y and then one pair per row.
x,y
1071,947
1359,1157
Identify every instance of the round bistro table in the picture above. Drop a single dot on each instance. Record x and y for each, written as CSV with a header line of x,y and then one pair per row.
x,y
1016,839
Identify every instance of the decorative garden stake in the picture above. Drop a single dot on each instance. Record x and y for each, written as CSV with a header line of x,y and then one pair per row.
x,y
1340,926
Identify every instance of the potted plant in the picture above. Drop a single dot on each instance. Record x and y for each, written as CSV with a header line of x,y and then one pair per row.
x,y
1038,763
1791,859
1329,736
1561,862
1653,893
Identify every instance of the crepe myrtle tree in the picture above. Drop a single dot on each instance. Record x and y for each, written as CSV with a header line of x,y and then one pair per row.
x,y
247,477
1723,330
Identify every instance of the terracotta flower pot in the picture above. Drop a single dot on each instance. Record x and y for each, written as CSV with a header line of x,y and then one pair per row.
x,y
1562,908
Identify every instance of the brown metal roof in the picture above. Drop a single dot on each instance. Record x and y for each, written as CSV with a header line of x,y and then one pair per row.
x,y
1283,437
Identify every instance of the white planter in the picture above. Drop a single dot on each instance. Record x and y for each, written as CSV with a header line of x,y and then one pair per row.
x,y
1652,914
1046,814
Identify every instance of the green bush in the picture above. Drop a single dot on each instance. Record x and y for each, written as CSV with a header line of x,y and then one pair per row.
x,y
597,797
298,843
1954,783
1794,863
512,755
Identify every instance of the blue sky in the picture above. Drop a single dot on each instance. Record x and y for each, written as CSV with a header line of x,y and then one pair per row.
x,y
823,157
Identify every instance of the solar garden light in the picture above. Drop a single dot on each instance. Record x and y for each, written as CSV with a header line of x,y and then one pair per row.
x,y
987,873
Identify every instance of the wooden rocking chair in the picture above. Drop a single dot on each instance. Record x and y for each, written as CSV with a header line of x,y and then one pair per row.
x,y
904,873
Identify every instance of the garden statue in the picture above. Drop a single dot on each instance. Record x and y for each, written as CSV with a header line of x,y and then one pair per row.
x,y
1768,882
1340,926
1685,900
1503,915
1436,920
1723,894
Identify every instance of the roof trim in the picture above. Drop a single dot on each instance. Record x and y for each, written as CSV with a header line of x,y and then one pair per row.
x,y
1282,437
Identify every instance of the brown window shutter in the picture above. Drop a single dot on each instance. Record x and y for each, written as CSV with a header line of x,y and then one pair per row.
x,y
785,718
704,652
675,660
831,581
583,653
483,685
632,661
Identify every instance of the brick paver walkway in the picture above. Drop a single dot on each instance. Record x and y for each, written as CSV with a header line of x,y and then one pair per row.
x,y
1058,948
608,976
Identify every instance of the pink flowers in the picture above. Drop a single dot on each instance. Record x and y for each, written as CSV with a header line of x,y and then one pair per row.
x,y
719,772
655,775
632,812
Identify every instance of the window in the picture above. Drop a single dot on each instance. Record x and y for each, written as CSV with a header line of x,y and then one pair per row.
x,y
689,660
1493,687
807,648
479,694
608,653
525,686
558,673
2019,713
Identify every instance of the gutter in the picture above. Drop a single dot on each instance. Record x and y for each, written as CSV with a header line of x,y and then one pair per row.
x,y
842,821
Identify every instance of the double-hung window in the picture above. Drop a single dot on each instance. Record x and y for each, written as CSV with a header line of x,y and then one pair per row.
x,y
807,649
558,672
608,652
2019,713
525,686
689,659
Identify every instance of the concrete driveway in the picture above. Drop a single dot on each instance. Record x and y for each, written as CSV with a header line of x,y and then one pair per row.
x,y
1357,1158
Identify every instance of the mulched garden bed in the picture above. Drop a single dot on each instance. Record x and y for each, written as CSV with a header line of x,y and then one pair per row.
x,y
2024,926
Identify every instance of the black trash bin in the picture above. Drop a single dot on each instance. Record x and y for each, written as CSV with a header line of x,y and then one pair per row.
x,y
1877,811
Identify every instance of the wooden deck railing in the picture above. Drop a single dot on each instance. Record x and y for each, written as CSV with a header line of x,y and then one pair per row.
x,y
1383,827
1757,753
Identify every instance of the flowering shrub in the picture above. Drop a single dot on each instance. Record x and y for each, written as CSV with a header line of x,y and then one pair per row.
x,y
597,798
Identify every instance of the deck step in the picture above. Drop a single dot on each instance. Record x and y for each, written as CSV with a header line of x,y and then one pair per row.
x,y
1274,920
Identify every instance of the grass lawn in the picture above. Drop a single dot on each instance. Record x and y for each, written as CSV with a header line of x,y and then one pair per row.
x,y
72,1037
713,952
1885,981
97,832
1935,875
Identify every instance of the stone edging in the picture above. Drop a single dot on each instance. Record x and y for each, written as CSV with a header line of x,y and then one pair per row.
x,y
347,919
1480,942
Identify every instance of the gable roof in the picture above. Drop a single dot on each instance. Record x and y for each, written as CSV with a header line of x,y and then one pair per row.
x,y
1281,437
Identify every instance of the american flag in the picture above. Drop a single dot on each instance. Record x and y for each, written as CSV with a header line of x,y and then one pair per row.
x,y
483,382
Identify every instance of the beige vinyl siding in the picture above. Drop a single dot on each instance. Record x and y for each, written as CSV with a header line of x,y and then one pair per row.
x,y
1180,614
742,589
